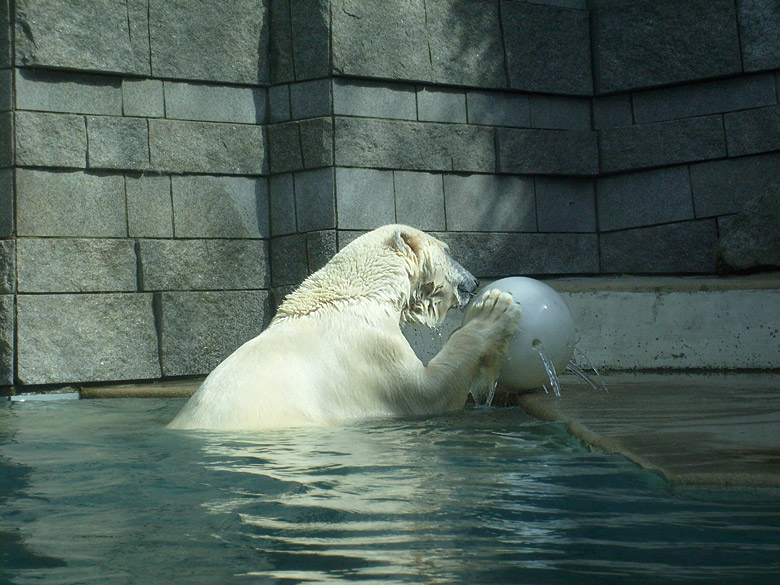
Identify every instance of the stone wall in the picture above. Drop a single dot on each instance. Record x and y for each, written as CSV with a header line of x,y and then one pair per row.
x,y
134,189
686,109
167,169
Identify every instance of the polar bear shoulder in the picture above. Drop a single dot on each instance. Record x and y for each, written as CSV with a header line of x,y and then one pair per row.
x,y
334,351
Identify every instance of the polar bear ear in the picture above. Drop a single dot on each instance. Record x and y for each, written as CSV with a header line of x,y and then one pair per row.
x,y
407,242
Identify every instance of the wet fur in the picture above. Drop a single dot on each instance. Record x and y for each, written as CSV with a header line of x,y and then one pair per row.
x,y
334,352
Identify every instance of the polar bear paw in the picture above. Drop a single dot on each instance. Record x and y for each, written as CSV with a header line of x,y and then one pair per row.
x,y
496,308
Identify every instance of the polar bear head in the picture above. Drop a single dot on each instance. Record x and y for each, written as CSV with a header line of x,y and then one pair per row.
x,y
436,281
396,266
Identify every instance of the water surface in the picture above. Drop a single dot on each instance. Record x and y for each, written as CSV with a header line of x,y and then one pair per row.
x,y
98,492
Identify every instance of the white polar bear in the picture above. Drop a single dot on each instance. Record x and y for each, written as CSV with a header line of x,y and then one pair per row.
x,y
334,352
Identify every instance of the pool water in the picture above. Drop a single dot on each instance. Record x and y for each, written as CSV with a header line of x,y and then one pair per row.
x,y
98,491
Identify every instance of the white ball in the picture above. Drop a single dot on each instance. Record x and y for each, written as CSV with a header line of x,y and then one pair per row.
x,y
546,324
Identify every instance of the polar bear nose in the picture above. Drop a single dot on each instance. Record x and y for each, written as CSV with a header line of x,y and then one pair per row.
x,y
467,284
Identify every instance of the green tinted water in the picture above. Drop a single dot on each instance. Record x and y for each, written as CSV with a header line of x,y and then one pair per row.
x,y
98,492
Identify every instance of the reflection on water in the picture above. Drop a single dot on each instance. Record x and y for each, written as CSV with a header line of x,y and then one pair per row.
x,y
98,492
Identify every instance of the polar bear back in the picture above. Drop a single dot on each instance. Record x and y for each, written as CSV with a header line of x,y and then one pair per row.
x,y
288,376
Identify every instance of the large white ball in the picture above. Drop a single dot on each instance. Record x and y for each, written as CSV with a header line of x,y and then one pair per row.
x,y
546,324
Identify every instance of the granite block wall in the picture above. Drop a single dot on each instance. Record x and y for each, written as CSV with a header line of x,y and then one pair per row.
x,y
685,106
168,171
133,195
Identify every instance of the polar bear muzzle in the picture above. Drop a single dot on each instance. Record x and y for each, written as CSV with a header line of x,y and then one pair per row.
x,y
467,284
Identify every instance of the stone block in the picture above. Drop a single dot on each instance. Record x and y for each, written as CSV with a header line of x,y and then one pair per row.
x,y
574,4
752,239
316,142
71,338
364,198
488,203
777,85
381,39
656,42
724,186
86,205
441,105
280,109
6,59
644,198
678,247
494,108
284,147
320,248
724,222
753,131
149,207
58,140
137,12
310,24
6,139
560,112
289,264
92,36
310,99
565,205
203,264
143,97
547,152
6,89
495,255
759,21
345,237
612,111
662,143
419,200
7,266
204,147
200,329
210,41
74,93
282,194
315,200
117,143
280,45
414,146
712,97
374,99
6,202
220,207
464,37
7,336
53,265
547,48
214,103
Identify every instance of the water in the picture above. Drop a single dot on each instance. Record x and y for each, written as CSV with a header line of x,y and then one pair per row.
x,y
98,492
583,375
550,369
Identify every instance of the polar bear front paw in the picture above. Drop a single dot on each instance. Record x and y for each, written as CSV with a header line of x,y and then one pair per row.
x,y
499,309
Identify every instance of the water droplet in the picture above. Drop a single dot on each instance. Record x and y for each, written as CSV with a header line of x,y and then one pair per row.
x,y
549,367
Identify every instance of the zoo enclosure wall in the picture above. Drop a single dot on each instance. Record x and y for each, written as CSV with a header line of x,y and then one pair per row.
x,y
169,169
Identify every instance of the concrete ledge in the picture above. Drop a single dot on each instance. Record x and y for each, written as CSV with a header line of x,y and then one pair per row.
x,y
695,323
171,389
717,429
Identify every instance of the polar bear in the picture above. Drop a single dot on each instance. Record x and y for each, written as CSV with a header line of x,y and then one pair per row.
x,y
334,352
